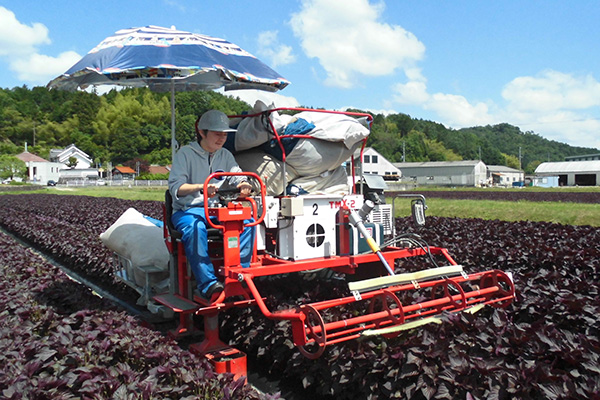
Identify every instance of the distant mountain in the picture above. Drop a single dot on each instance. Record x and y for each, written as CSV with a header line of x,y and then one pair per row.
x,y
500,144
136,124
508,139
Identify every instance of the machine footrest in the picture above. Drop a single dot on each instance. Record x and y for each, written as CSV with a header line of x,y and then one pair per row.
x,y
177,303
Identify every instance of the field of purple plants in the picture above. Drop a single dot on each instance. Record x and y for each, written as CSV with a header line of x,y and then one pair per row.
x,y
511,195
59,341
545,345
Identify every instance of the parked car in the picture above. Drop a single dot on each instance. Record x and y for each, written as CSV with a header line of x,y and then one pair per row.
x,y
51,183
100,182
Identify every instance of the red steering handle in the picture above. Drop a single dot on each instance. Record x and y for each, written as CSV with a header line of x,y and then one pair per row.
x,y
251,200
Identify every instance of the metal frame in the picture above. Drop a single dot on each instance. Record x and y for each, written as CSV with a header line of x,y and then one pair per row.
x,y
383,308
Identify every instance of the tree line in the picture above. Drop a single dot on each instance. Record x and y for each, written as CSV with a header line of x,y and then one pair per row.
x,y
135,124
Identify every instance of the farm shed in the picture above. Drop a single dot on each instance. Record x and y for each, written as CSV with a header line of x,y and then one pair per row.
x,y
159,169
445,173
572,173
503,175
77,175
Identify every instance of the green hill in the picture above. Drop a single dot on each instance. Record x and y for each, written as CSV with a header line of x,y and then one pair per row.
x,y
136,123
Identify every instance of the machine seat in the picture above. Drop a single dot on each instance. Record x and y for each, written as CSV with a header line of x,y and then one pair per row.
x,y
213,233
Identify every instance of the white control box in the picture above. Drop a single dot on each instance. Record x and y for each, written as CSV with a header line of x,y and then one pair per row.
x,y
311,233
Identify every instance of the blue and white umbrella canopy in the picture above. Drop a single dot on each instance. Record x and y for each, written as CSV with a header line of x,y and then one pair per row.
x,y
168,59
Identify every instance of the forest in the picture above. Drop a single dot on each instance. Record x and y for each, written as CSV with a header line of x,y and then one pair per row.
x,y
135,124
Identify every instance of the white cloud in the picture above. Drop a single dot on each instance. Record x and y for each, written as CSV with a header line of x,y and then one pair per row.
x,y
411,93
559,106
350,41
270,48
40,68
454,110
19,48
19,39
552,90
565,126
457,112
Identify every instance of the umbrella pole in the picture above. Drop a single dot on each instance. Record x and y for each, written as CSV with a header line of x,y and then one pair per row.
x,y
173,141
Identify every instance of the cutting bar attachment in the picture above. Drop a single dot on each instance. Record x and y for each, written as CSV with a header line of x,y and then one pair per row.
x,y
383,311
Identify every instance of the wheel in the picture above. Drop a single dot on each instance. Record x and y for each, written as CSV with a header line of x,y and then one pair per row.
x,y
387,301
505,285
446,286
314,328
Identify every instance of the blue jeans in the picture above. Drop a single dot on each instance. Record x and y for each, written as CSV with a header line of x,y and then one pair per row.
x,y
192,225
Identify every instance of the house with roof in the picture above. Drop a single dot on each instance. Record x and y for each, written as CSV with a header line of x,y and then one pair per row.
x,y
375,164
123,173
159,169
40,170
501,175
445,173
83,170
71,151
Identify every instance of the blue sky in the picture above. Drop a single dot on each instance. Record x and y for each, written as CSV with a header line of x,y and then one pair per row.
x,y
533,64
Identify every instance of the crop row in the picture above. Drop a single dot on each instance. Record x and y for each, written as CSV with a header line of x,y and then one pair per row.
x,y
68,227
545,345
511,195
59,341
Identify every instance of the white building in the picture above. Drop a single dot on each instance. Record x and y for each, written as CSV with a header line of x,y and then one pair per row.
x,y
39,170
83,169
445,173
375,164
63,156
572,173
501,175
545,181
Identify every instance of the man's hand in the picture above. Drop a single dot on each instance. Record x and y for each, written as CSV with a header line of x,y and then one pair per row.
x,y
211,189
245,189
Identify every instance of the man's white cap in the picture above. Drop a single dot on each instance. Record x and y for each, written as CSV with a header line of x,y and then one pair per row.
x,y
215,120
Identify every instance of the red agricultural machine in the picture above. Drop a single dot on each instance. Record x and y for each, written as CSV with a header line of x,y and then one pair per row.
x,y
350,234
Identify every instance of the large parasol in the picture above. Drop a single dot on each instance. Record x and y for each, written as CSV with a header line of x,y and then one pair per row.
x,y
166,59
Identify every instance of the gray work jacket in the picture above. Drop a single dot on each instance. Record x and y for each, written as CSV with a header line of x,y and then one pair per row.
x,y
193,164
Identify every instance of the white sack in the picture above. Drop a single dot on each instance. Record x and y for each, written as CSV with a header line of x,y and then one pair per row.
x,y
134,237
336,127
330,182
311,157
268,168
254,131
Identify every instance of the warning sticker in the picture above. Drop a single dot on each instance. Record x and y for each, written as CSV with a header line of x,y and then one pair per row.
x,y
232,242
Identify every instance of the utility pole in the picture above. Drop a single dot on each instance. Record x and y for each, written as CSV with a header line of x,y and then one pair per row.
x,y
520,167
403,151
